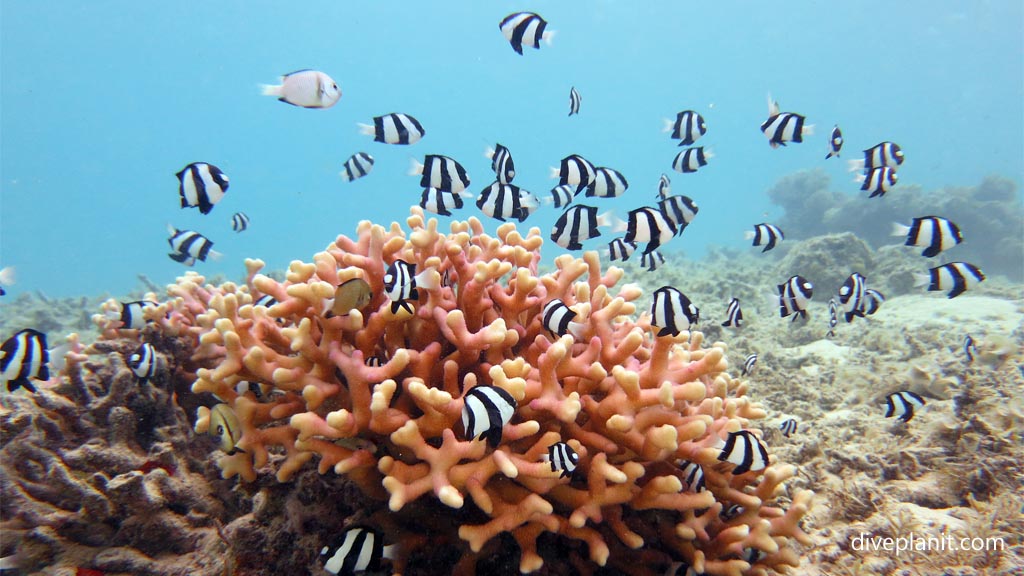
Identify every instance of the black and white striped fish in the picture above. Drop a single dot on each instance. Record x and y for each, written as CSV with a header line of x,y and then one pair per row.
x,y
788,427
878,180
201,184
679,210
132,316
957,277
670,308
24,357
558,319
851,296
647,224
833,317
142,362
734,314
619,249
525,29
394,128
239,222
574,170
562,195
502,201
693,475
440,172
607,183
562,458
794,295
257,389
783,127
374,361
873,300
440,202
933,233
731,511
689,160
749,363
266,300
681,569
881,155
401,284
664,187
356,551
188,246
485,411
501,163
746,451
357,166
688,127
835,143
579,223
767,234
968,347
902,404
651,260
574,101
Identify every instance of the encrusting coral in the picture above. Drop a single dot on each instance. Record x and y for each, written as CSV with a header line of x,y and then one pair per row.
x,y
632,406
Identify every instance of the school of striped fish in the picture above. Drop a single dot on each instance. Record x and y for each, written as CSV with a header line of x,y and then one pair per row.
x,y
445,184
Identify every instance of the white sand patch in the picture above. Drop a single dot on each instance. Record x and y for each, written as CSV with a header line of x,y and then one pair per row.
x,y
993,314
821,351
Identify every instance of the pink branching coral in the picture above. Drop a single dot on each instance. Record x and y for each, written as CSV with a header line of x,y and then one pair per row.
x,y
633,406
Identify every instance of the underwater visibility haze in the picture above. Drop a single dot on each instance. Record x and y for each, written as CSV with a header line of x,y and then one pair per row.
x,y
737,289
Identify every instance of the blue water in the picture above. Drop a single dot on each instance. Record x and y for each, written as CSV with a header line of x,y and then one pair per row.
x,y
103,102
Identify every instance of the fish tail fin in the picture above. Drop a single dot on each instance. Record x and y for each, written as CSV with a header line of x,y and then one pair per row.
x,y
271,89
577,329
8,276
854,165
547,200
709,153
922,279
860,178
610,219
555,172
216,256
366,129
808,130
669,125
548,36
489,153
429,279
748,235
415,167
900,229
171,229
773,106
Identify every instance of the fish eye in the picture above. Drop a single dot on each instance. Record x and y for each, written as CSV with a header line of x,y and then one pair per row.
x,y
335,86
220,430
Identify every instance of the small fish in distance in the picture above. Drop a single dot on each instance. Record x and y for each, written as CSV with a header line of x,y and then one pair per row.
x,y
902,404
305,89
689,160
201,185
357,166
957,277
394,128
670,308
783,127
835,143
239,222
485,411
765,234
933,233
574,101
746,451
688,127
525,28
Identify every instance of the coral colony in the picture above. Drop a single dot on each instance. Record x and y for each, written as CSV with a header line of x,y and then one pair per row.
x,y
658,430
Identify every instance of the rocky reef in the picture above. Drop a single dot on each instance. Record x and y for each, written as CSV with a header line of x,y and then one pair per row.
x,y
990,214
